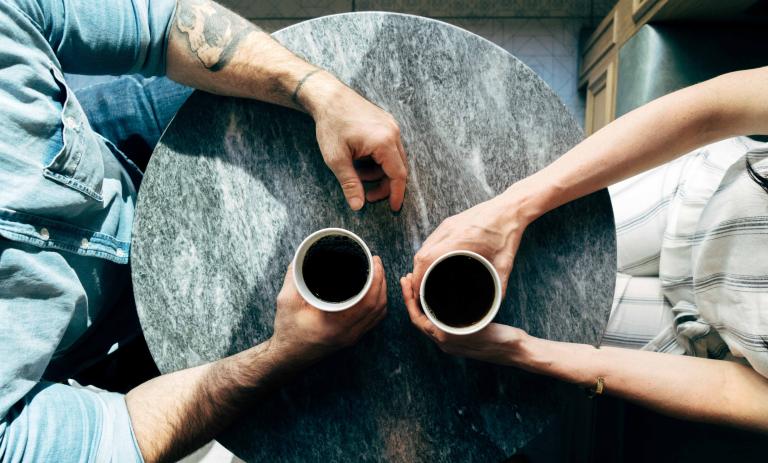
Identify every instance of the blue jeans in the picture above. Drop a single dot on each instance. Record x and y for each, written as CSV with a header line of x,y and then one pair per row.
x,y
132,111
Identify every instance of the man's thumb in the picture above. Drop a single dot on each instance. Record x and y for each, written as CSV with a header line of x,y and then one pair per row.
x,y
350,184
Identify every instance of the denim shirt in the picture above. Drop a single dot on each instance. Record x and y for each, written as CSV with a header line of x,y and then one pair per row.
x,y
67,199
54,194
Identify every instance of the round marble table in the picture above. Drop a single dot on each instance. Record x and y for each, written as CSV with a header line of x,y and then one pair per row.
x,y
235,185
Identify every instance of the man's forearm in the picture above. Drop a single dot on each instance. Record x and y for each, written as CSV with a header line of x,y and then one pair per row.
x,y
214,49
174,414
686,387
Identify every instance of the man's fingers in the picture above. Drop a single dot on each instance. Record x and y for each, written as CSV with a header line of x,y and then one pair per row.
x,y
373,319
361,311
350,182
288,280
382,301
371,175
380,316
401,150
379,192
369,171
374,306
379,280
377,296
396,193
379,311
393,165
401,185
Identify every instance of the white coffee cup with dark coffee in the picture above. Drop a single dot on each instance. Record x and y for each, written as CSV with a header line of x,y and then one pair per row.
x,y
461,292
333,269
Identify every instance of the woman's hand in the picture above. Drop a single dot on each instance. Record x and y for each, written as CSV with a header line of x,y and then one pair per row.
x,y
495,343
304,333
492,229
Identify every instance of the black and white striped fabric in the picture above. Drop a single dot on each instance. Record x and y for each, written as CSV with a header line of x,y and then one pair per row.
x,y
693,257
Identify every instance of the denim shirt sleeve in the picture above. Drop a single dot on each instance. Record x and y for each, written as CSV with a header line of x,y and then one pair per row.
x,y
39,292
61,423
105,37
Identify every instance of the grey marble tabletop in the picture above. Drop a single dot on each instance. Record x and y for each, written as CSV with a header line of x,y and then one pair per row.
x,y
235,185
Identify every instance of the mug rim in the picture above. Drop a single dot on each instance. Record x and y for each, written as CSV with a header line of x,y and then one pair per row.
x,y
487,318
298,263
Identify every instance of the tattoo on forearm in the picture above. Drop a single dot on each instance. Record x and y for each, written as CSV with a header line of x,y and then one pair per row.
x,y
213,32
295,95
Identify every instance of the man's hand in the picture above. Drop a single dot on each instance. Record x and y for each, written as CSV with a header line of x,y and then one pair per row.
x,y
304,334
176,413
360,142
213,49
495,343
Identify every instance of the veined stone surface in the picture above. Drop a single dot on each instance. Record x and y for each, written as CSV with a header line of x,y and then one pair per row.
x,y
235,185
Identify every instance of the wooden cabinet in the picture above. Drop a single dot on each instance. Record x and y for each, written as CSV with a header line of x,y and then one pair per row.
x,y
598,74
601,98
600,44
640,7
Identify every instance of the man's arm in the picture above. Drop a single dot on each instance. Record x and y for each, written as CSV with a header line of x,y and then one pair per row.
x,y
174,414
202,44
715,391
213,49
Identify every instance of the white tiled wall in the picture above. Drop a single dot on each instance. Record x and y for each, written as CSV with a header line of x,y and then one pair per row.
x,y
484,8
544,34
287,8
434,8
549,46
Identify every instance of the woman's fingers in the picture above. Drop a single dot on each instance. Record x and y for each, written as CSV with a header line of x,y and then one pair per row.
x,y
414,311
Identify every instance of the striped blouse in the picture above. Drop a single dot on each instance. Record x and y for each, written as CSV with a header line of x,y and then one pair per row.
x,y
711,260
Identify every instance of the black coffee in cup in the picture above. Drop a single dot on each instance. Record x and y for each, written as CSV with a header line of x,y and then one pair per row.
x,y
335,268
459,291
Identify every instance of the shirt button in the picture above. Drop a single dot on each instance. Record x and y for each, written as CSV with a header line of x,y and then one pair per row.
x,y
84,243
120,253
70,122
44,234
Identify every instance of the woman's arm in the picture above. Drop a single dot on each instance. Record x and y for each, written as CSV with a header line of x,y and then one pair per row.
x,y
693,388
664,129
729,105
715,391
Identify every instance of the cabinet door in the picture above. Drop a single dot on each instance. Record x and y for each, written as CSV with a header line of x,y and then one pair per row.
x,y
601,98
640,7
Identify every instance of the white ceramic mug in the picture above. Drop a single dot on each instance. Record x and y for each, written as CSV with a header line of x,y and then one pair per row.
x,y
298,275
489,316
